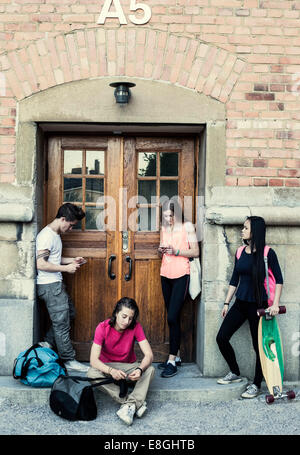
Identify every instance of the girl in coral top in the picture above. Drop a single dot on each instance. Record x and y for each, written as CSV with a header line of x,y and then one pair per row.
x,y
178,243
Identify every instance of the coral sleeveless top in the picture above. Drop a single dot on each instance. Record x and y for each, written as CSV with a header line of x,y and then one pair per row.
x,y
175,266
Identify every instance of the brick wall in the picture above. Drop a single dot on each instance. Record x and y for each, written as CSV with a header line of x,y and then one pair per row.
x,y
245,53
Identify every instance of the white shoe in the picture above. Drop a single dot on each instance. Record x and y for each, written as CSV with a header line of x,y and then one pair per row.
x,y
45,344
142,409
250,392
229,378
126,413
77,366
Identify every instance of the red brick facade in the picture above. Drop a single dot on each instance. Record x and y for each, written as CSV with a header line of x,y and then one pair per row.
x,y
244,53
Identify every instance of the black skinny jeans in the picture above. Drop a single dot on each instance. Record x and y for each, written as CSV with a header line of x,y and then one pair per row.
x,y
174,292
234,319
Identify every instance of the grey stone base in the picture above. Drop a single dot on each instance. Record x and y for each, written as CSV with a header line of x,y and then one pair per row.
x,y
16,331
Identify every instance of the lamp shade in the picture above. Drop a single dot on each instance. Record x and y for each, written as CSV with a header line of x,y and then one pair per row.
x,y
122,91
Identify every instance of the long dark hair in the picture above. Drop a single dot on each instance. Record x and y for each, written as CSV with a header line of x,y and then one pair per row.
x,y
129,303
258,242
175,207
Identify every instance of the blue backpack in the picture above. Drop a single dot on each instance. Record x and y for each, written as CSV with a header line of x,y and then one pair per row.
x,y
38,367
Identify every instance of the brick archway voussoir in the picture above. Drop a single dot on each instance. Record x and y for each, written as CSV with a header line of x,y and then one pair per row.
x,y
132,52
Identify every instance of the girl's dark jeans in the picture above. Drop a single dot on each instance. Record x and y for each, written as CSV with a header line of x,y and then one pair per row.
x,y
174,292
234,319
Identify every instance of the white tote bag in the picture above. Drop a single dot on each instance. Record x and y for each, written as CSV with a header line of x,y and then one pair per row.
x,y
195,278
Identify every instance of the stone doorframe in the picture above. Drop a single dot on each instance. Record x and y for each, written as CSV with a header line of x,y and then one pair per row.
x,y
65,79
153,106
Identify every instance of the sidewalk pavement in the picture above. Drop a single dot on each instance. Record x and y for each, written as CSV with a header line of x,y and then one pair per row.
x,y
187,385
186,404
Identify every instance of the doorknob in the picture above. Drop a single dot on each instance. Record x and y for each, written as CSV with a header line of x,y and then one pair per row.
x,y
128,275
111,275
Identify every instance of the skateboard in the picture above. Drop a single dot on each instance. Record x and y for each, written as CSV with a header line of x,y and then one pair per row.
x,y
271,355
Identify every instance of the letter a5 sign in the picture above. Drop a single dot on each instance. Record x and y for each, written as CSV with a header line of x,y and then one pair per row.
x,y
119,13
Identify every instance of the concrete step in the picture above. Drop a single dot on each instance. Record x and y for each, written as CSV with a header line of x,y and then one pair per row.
x,y
187,385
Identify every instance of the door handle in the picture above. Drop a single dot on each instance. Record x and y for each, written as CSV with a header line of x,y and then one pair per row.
x,y
128,275
125,241
111,275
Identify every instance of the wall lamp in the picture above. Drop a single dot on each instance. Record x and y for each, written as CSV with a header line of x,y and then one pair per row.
x,y
122,91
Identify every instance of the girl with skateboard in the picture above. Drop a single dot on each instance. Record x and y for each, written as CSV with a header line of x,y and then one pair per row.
x,y
247,283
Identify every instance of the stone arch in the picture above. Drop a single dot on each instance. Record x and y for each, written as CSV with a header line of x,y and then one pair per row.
x,y
132,52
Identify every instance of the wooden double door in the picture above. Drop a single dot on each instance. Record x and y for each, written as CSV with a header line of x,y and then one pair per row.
x,y
119,182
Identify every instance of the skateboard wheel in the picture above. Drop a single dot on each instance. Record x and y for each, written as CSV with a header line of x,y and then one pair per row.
x,y
291,395
269,399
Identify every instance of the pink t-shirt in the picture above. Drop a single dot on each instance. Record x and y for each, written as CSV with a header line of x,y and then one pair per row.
x,y
117,346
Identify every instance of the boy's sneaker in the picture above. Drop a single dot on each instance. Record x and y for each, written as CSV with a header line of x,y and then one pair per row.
x,y
251,391
229,378
77,366
45,344
126,413
162,366
169,371
142,409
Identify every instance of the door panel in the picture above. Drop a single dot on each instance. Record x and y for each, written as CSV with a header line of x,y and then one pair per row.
x,y
168,160
91,289
118,231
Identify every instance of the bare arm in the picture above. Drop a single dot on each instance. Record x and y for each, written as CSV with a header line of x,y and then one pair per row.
x,y
161,247
66,261
274,309
78,260
146,361
230,294
101,366
119,374
43,264
193,251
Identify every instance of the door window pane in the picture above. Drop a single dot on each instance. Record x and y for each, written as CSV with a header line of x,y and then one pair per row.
x,y
94,189
95,162
72,190
147,164
72,161
169,188
169,164
147,219
146,189
94,219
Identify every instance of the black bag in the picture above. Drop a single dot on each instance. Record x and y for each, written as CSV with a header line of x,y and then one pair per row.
x,y
72,399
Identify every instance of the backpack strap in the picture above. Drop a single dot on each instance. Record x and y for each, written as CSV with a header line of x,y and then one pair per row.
x,y
26,362
122,383
266,251
25,365
239,251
